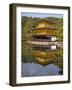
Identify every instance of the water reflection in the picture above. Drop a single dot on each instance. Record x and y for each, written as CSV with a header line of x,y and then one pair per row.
x,y
32,69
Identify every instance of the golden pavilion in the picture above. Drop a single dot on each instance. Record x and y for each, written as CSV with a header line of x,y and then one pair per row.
x,y
44,42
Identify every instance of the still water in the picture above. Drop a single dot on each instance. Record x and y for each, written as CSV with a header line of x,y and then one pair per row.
x,y
32,69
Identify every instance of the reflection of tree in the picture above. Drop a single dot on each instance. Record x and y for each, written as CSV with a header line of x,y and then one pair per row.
x,y
59,59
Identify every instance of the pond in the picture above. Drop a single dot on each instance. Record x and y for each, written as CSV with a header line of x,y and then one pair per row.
x,y
32,69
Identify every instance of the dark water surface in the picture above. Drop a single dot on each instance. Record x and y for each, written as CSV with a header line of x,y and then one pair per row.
x,y
32,69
